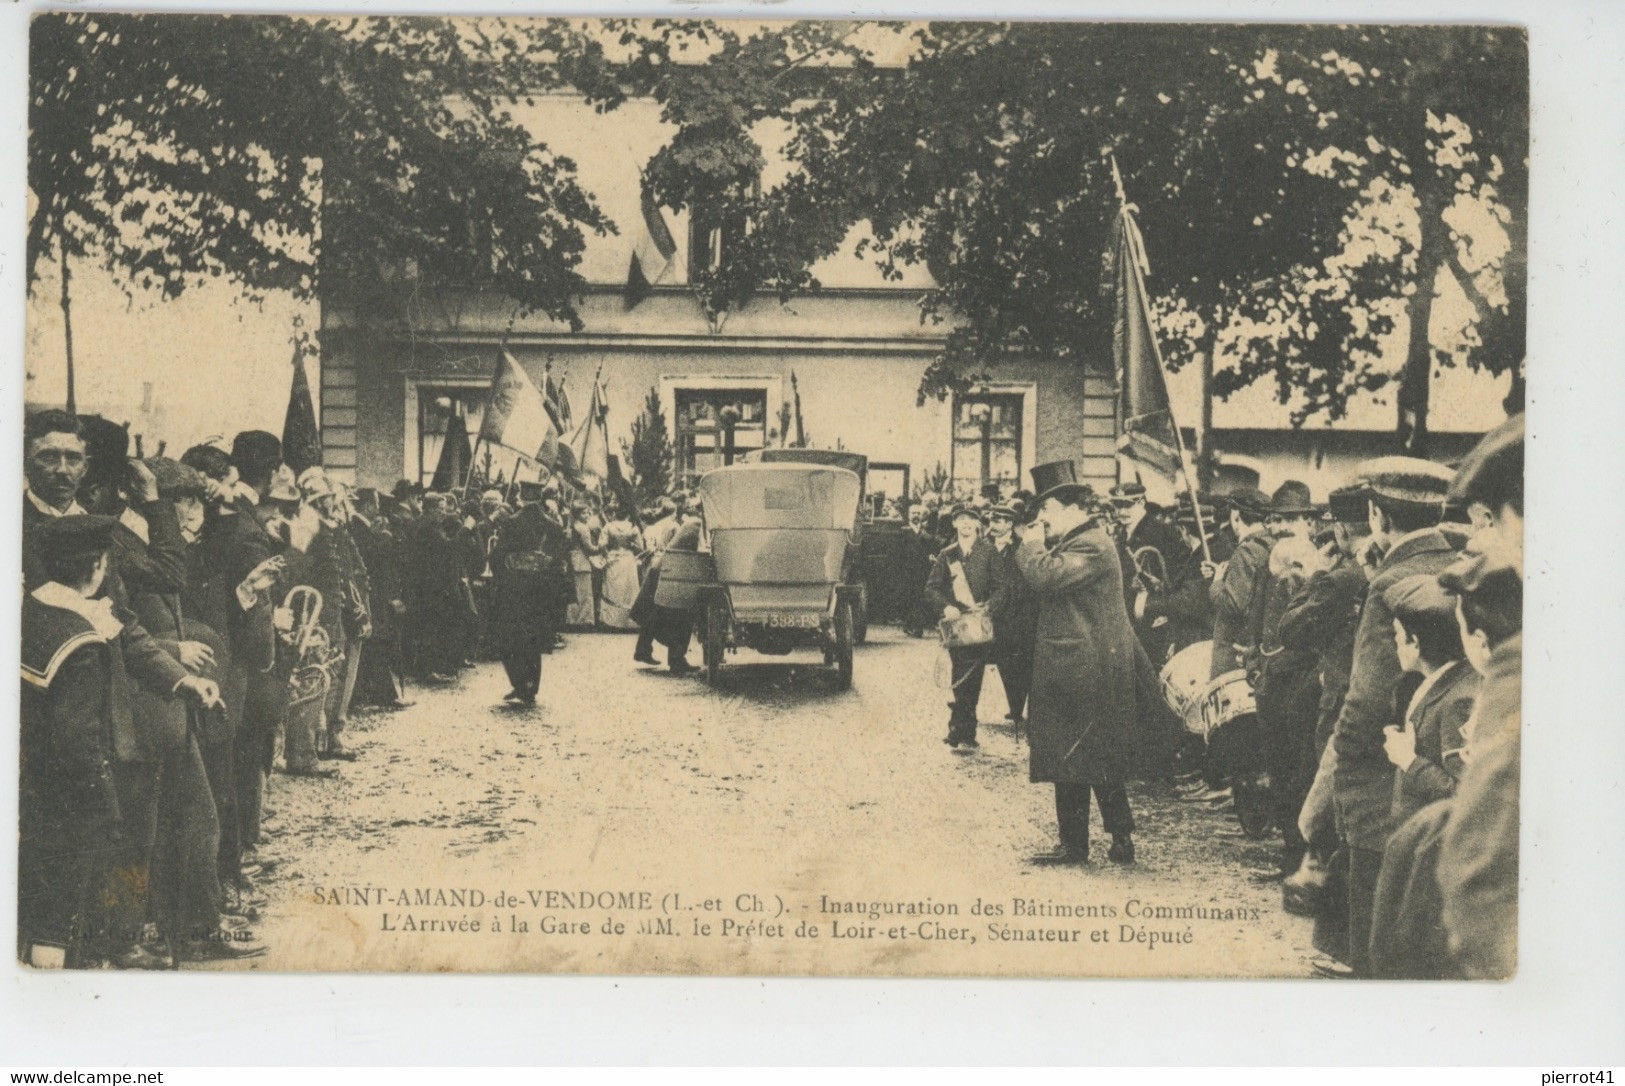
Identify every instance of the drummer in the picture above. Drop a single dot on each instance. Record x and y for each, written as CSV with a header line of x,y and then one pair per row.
x,y
968,576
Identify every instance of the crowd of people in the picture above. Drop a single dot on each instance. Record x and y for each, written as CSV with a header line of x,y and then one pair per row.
x,y
1370,649
191,626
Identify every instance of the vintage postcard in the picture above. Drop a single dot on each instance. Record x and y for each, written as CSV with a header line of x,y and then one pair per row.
x,y
519,494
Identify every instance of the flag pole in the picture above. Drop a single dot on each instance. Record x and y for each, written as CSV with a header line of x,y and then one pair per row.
x,y
1123,208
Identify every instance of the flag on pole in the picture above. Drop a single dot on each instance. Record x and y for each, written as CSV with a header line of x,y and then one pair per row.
x,y
801,430
1149,436
654,254
516,417
590,445
301,439
451,471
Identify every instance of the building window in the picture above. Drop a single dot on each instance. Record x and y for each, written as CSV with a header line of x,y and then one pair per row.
x,y
717,426
712,233
987,442
436,405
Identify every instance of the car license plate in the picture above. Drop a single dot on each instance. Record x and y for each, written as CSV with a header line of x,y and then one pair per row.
x,y
793,620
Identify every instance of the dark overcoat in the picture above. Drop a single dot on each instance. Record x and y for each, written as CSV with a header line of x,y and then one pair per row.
x,y
1083,709
1363,780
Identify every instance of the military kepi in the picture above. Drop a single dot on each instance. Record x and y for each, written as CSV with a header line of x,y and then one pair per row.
x,y
1405,479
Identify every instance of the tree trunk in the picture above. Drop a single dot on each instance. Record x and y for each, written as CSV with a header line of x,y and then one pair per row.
x,y
67,326
1417,376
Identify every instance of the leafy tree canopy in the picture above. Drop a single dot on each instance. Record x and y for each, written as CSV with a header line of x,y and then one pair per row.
x,y
175,148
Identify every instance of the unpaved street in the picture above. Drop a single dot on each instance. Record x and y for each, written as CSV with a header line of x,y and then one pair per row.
x,y
775,800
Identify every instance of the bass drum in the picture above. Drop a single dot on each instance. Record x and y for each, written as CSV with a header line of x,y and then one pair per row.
x,y
1184,682
1227,698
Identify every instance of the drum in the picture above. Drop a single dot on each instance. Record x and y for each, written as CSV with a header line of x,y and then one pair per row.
x,y
970,629
1227,698
1184,680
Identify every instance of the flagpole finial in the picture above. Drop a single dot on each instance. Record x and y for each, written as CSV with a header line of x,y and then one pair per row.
x,y
1117,179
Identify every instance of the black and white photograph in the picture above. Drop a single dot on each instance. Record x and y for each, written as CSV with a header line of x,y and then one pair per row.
x,y
710,496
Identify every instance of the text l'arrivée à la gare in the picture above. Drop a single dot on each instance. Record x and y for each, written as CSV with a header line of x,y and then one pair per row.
x,y
580,912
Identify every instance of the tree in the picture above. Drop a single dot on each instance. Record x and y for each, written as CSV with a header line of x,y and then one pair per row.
x,y
650,451
1297,185
388,149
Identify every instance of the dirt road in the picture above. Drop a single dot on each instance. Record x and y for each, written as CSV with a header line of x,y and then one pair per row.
x,y
775,800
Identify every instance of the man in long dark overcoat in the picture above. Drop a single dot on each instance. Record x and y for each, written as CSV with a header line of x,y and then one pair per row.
x,y
1083,707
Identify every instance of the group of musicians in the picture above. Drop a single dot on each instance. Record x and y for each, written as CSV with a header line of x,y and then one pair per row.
x,y
1358,674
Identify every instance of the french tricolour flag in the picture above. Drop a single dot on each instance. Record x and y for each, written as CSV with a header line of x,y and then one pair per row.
x,y
654,255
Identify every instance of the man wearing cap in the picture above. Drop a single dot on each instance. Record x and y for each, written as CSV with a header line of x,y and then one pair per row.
x,y
1083,708
1425,745
1325,613
1478,854
80,651
1285,680
968,575
1236,612
1405,504
1015,623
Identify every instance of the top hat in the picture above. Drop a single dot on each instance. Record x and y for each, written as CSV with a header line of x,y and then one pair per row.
x,y
1058,479
1291,499
256,450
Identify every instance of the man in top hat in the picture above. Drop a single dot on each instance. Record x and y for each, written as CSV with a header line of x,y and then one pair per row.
x,y
967,575
1478,860
1083,708
1236,613
1405,504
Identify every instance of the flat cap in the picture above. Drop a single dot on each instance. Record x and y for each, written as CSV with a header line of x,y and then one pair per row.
x,y
1418,596
80,535
1405,479
966,510
177,480
1249,499
1349,504
1004,511
1493,472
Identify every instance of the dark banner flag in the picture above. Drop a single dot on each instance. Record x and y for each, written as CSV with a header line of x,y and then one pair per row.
x,y
301,439
1148,435
451,472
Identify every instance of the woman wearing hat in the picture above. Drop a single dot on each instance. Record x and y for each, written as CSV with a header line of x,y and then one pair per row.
x,y
1084,705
